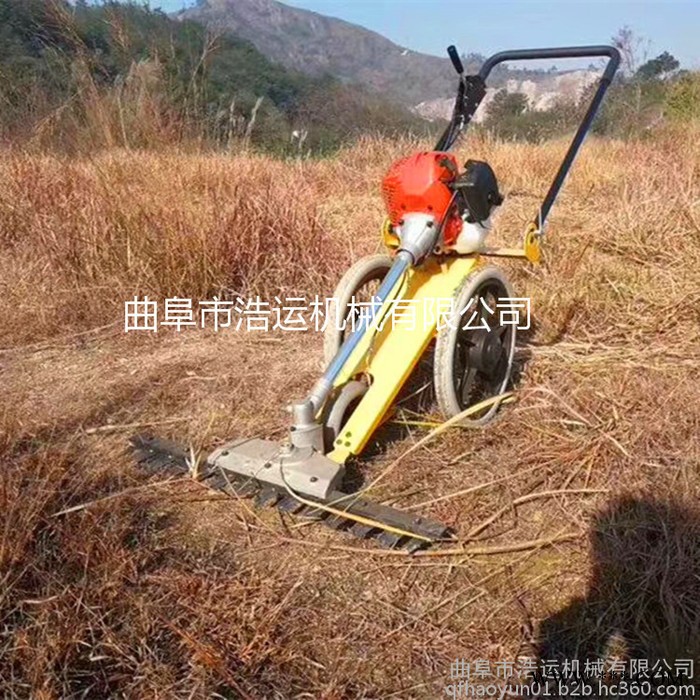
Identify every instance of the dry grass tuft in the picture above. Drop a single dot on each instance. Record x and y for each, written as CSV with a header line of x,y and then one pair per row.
x,y
79,237
168,591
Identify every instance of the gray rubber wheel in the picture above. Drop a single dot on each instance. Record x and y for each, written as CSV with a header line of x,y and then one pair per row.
x,y
472,363
361,281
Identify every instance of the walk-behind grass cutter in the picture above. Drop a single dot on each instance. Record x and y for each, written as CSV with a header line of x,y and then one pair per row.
x,y
438,218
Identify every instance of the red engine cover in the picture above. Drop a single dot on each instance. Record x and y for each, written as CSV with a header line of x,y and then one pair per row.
x,y
419,183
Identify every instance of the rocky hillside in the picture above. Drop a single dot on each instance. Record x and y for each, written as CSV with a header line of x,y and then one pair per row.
x,y
112,73
316,44
542,93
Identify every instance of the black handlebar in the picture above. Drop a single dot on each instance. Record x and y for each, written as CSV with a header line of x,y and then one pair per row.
x,y
456,60
564,52
472,89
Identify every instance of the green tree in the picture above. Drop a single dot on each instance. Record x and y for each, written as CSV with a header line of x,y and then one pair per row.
x,y
505,105
658,67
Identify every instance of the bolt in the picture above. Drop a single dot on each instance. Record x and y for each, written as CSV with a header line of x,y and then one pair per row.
x,y
224,453
313,479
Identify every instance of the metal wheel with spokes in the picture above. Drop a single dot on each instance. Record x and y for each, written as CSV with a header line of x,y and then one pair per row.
x,y
474,351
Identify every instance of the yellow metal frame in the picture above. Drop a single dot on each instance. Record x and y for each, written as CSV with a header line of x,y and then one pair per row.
x,y
400,333
391,349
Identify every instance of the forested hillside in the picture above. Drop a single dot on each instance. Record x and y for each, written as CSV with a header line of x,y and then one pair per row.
x,y
125,74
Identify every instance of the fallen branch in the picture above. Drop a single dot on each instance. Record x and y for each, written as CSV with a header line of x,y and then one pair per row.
x,y
526,499
472,489
452,552
454,421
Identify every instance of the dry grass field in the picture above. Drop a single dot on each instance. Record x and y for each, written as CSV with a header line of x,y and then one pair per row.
x,y
577,511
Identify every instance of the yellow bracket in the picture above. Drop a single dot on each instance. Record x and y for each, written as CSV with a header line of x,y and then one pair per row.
x,y
533,251
391,240
397,340
503,252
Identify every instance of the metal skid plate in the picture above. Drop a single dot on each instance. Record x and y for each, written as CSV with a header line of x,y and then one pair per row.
x,y
304,471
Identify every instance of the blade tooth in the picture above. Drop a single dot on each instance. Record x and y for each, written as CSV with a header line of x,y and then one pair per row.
x,y
363,531
205,471
415,545
389,516
245,488
232,484
312,513
337,523
216,480
389,539
430,528
141,443
155,462
267,497
289,504
172,463
150,460
145,442
142,452
156,454
139,454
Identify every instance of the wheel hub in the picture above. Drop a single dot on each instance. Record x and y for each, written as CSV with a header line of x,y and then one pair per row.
x,y
486,351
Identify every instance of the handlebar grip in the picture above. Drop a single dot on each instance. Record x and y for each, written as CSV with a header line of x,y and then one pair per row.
x,y
456,60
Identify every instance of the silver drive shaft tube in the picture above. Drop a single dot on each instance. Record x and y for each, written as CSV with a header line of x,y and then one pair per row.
x,y
418,233
323,386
